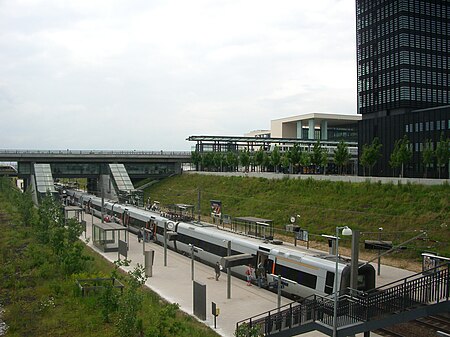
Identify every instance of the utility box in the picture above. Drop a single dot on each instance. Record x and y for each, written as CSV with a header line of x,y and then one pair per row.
x,y
149,258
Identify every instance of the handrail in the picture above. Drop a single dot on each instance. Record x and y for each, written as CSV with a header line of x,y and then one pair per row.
x,y
353,307
95,152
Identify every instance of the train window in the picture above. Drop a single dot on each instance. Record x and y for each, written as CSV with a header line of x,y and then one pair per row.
x,y
329,283
206,246
136,223
301,277
361,282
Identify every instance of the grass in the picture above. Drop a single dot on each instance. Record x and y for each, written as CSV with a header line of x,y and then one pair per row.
x,y
39,300
402,210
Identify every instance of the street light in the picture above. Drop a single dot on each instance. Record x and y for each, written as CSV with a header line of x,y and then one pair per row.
x,y
347,232
228,269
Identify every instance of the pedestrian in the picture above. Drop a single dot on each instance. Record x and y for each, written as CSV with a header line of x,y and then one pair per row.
x,y
249,272
260,274
217,270
140,235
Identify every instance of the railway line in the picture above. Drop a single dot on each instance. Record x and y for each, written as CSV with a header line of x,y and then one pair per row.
x,y
421,327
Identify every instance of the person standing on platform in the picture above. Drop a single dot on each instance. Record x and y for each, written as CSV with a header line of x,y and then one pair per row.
x,y
140,235
248,273
217,270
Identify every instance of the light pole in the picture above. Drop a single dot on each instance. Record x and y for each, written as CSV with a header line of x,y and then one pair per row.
x,y
345,231
379,251
228,269
193,250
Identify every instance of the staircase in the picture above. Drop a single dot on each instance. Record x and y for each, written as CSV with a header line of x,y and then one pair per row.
x,y
416,296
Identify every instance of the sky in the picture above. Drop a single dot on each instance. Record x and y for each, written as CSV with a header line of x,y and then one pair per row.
x,y
147,74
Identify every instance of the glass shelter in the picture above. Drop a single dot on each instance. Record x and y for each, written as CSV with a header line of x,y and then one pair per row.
x,y
106,236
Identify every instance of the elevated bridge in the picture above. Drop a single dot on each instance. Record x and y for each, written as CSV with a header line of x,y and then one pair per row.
x,y
95,164
416,296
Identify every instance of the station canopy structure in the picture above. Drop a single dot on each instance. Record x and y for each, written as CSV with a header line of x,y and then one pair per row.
x,y
237,143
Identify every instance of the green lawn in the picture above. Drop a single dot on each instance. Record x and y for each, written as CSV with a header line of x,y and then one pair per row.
x,y
399,209
40,300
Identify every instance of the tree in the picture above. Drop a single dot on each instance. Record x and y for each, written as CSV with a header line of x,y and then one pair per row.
x,y
294,154
232,160
341,156
319,156
427,156
275,158
208,160
196,159
305,159
370,154
259,158
219,159
244,158
401,154
442,153
130,303
284,162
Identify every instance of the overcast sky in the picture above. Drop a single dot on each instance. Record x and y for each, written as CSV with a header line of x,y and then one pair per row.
x,y
146,74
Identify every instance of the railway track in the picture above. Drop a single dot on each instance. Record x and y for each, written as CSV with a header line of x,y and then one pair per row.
x,y
421,327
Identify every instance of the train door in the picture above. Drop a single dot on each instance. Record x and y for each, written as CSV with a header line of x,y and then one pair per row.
x,y
262,264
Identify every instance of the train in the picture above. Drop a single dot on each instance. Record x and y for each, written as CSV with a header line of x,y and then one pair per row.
x,y
303,272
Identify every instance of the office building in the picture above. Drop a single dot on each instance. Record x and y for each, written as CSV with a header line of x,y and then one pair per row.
x,y
403,64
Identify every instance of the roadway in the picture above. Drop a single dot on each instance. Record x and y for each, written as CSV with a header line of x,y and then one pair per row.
x,y
173,283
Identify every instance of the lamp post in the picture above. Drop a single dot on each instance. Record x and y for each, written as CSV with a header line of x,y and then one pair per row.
x,y
345,231
379,251
229,271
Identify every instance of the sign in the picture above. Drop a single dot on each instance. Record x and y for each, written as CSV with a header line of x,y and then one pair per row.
x,y
302,235
216,208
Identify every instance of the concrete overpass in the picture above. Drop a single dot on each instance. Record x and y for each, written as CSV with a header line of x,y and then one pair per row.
x,y
93,164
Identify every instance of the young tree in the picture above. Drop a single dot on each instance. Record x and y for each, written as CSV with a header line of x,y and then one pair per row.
x,y
341,156
275,157
196,159
442,153
401,154
259,158
427,156
232,160
370,154
208,161
244,158
219,160
285,162
294,156
305,159
319,156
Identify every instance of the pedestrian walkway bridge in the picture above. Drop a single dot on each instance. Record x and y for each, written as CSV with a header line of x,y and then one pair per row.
x,y
420,295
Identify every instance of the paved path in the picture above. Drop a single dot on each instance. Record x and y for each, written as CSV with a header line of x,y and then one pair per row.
x,y
173,283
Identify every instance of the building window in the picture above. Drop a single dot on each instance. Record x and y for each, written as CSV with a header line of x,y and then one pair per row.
x,y
421,127
427,126
406,128
438,125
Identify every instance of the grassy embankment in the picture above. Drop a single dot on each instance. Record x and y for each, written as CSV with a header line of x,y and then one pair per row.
x,y
40,300
402,210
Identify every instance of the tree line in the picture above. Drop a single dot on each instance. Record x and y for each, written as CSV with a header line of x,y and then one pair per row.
x,y
294,160
319,160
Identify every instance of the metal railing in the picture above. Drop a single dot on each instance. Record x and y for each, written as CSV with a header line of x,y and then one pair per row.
x,y
354,306
94,152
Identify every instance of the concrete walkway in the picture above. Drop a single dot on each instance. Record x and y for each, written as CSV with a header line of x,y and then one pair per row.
x,y
173,283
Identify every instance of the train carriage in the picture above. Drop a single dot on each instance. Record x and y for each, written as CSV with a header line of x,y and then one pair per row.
x,y
303,272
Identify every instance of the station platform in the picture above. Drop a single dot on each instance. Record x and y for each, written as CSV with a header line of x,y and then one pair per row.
x,y
173,283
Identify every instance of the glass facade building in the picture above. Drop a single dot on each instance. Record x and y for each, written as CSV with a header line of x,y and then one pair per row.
x,y
403,65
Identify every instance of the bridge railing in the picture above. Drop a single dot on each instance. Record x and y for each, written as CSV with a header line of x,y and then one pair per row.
x,y
94,152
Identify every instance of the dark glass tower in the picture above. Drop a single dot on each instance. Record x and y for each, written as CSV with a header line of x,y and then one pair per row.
x,y
403,49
